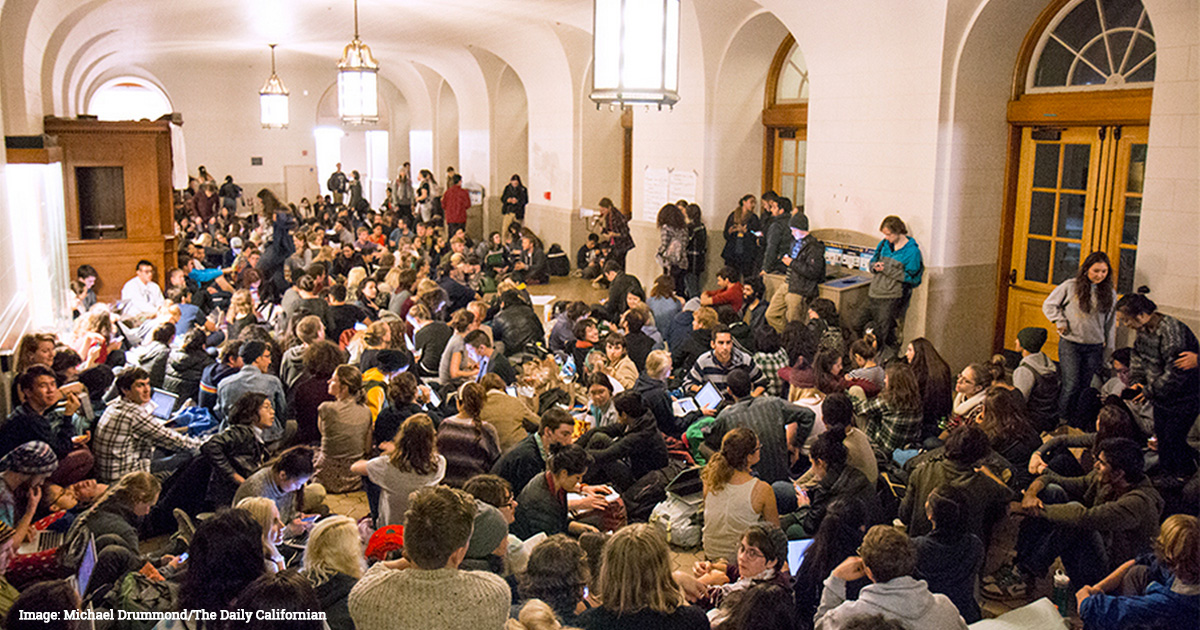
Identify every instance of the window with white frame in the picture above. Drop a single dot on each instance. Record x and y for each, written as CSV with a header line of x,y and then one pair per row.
x,y
792,86
1095,45
129,98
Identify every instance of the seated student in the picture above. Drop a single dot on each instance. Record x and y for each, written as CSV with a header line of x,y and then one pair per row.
x,y
557,574
516,326
311,390
1009,433
481,346
1093,523
562,331
715,365
511,417
839,537
284,480
619,366
542,503
587,335
429,341
691,334
761,559
1142,410
411,463
238,451
588,259
1160,591
432,593
127,435
38,420
1036,377
601,412
333,564
470,445
886,557
406,397
152,357
834,480
837,414
961,463
619,284
638,344
624,452
186,367
229,362
652,386
530,264
1113,421
733,499
254,377
773,420
950,556
527,458
636,587
345,425
862,352
267,515
455,366
892,420
770,357
729,290
114,518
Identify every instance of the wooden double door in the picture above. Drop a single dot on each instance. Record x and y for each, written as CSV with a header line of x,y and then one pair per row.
x,y
1079,191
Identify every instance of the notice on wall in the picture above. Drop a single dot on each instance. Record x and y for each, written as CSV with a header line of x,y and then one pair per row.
x,y
661,186
656,191
682,185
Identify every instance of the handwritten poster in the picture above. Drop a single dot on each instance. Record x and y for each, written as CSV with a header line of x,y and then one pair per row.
x,y
682,185
656,191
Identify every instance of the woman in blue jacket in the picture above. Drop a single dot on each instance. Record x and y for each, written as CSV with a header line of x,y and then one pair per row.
x,y
897,268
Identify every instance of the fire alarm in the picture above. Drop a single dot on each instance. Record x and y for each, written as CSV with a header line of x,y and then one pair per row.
x,y
546,195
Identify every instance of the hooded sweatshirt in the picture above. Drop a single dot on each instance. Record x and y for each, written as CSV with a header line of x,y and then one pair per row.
x,y
905,599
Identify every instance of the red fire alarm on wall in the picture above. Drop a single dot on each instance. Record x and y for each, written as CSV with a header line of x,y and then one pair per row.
x,y
546,195
304,152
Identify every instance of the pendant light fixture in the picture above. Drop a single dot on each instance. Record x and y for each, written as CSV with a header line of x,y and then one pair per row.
x,y
273,100
357,81
635,45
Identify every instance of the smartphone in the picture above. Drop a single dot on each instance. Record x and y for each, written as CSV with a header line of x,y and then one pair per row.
x,y
181,558
311,519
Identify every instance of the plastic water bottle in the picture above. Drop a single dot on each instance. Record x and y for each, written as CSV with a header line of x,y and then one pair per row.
x,y
1062,593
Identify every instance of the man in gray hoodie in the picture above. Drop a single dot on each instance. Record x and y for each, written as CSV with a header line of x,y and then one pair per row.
x,y
887,558
1036,377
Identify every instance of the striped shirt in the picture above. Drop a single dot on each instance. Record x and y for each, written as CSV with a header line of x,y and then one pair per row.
x,y
707,369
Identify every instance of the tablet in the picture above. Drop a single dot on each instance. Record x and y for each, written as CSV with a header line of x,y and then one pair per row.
x,y
708,397
164,402
684,406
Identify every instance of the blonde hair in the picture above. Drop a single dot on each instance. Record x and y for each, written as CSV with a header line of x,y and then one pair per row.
x,y
354,277
264,511
707,317
535,615
134,487
334,546
240,305
28,346
635,572
656,362
1178,545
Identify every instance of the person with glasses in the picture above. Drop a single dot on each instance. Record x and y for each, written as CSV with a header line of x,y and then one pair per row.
x,y
761,559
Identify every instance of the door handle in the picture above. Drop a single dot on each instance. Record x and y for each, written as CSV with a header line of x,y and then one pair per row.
x,y
1012,276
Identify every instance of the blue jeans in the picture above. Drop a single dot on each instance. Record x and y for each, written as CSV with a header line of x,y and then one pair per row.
x,y
1078,363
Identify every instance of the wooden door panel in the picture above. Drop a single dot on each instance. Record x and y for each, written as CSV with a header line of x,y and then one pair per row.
x,y
1024,311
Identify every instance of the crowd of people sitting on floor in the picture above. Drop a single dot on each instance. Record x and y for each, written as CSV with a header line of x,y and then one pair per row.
x,y
178,451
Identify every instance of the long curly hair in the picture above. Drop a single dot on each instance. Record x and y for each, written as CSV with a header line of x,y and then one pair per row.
x,y
1083,285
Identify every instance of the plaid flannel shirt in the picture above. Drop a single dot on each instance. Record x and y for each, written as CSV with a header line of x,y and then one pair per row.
x,y
125,439
770,363
887,428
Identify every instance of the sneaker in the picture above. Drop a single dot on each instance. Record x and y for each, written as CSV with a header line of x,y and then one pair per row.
x,y
184,522
1006,583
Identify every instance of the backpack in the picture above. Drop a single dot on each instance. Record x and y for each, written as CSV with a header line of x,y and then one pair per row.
x,y
557,262
681,515
1042,405
137,593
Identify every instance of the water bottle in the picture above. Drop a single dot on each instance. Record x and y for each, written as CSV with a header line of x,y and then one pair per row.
x,y
1062,593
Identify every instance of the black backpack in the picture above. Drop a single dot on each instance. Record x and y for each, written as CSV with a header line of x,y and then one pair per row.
x,y
557,262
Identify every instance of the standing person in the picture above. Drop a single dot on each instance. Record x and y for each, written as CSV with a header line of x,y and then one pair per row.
x,y
515,198
230,193
403,191
356,191
697,252
432,593
742,230
337,184
615,231
455,202
897,268
427,189
777,241
805,263
672,250
1164,372
733,498
345,426
636,586
1082,309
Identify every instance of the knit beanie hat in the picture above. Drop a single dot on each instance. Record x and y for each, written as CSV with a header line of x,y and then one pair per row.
x,y
31,458
799,222
1032,339
490,530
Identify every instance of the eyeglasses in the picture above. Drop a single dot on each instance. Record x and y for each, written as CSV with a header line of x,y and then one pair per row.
x,y
750,551
963,378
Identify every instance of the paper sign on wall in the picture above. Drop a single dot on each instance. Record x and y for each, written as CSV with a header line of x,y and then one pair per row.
x,y
661,186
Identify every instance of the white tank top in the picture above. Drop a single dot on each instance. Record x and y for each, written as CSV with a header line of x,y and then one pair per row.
x,y
728,513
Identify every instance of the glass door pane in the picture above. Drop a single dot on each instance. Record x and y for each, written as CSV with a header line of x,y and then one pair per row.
x,y
1124,218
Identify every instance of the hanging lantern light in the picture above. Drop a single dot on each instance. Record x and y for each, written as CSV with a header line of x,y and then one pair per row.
x,y
357,81
273,100
635,48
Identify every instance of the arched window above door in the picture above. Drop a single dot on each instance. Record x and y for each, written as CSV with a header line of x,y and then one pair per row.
x,y
1095,44
129,98
791,84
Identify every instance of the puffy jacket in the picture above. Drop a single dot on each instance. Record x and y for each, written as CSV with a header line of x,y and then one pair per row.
x,y
154,361
184,370
808,268
518,327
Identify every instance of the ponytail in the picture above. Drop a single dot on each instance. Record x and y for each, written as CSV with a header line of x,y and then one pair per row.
x,y
736,448
471,397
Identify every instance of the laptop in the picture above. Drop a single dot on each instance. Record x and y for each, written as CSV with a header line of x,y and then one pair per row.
x,y
86,565
796,549
483,367
162,403
42,540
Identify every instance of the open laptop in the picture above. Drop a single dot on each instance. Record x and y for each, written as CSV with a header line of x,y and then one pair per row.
x,y
42,540
162,403
87,564
796,549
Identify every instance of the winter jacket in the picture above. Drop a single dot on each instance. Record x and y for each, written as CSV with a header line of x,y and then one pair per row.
x,y
905,599
184,371
1128,523
778,237
540,508
847,484
950,565
639,442
521,463
807,269
236,450
518,327
658,401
